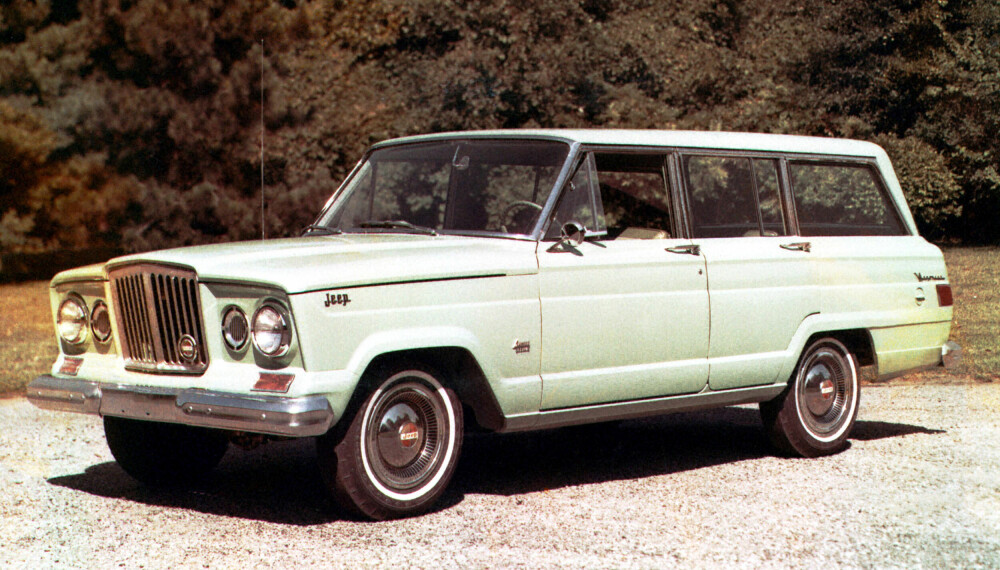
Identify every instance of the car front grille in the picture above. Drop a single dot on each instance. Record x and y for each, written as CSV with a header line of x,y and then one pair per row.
x,y
158,312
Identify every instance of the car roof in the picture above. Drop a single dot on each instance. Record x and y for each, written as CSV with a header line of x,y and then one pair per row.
x,y
675,139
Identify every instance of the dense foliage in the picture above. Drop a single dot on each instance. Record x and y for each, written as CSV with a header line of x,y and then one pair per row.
x,y
136,123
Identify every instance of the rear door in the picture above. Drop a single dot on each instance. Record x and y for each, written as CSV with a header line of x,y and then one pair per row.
x,y
759,277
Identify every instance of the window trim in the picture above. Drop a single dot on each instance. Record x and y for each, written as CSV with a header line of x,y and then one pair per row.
x,y
873,169
579,158
750,157
680,210
784,187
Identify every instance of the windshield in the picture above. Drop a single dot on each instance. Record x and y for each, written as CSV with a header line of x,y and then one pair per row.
x,y
455,186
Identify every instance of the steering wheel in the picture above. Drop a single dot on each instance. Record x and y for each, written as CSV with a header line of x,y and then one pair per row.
x,y
514,207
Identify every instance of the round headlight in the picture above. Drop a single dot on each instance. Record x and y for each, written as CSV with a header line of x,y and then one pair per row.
x,y
72,321
100,322
271,334
235,328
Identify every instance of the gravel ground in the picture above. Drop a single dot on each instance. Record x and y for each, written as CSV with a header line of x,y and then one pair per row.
x,y
919,487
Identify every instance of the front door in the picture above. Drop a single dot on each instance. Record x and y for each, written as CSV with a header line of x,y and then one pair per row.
x,y
625,314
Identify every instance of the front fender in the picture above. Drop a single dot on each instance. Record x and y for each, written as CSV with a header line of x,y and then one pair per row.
x,y
416,338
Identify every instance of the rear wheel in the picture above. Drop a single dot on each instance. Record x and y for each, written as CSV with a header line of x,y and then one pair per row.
x,y
162,454
400,449
815,414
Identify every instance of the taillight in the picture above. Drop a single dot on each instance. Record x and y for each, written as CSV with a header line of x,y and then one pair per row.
x,y
944,295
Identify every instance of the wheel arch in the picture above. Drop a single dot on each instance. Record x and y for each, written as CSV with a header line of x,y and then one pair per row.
x,y
460,371
858,341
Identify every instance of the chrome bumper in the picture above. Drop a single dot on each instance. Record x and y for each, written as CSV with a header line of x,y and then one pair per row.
x,y
294,417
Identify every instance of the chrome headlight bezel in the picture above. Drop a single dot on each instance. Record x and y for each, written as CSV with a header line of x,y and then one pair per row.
x,y
271,330
100,322
72,320
234,326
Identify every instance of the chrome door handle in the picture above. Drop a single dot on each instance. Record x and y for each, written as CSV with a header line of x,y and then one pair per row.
x,y
689,249
800,246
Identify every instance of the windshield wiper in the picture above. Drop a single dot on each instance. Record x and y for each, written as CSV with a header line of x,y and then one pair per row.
x,y
398,225
321,229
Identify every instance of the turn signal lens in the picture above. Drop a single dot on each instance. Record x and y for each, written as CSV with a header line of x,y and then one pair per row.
x,y
100,322
269,382
235,329
945,298
72,321
271,333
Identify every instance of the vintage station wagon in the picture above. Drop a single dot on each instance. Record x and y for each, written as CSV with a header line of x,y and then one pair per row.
x,y
512,280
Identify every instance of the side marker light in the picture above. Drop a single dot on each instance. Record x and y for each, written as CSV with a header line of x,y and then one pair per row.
x,y
270,382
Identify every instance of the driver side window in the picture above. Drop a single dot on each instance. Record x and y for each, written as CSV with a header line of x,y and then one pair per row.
x,y
618,196
634,195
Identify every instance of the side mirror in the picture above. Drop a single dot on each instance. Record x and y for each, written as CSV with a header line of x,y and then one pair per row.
x,y
572,233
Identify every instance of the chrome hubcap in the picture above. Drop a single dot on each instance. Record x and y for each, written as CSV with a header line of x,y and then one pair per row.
x,y
405,438
400,435
825,390
819,390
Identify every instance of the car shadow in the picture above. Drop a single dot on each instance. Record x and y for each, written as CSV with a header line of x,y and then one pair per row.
x,y
280,482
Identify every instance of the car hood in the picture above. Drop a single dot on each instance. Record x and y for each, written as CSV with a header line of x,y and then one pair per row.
x,y
314,263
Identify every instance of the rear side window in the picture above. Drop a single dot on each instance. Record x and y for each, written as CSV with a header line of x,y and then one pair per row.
x,y
733,196
841,200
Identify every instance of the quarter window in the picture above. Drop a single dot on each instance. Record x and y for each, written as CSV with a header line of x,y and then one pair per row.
x,y
841,200
768,196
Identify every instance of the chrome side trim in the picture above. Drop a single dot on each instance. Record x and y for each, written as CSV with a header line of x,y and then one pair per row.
x,y
547,419
274,415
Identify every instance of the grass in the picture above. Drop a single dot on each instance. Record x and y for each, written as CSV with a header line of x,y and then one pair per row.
x,y
975,278
28,344
27,338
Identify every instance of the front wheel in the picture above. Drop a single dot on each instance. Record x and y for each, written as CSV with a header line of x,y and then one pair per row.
x,y
164,454
815,414
401,448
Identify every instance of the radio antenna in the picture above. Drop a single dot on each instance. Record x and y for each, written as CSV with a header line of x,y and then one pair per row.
x,y
263,234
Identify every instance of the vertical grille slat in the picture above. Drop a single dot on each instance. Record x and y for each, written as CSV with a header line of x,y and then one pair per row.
x,y
180,308
140,346
157,309
196,318
164,304
126,324
148,349
186,313
177,311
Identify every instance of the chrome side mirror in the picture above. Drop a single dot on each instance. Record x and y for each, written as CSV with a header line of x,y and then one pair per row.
x,y
572,233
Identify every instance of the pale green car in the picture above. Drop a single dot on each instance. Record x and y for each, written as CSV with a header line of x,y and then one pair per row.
x,y
513,280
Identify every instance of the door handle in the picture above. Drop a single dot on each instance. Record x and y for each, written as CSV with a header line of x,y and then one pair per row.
x,y
691,249
800,246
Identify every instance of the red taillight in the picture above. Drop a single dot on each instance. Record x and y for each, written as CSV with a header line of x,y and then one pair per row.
x,y
944,295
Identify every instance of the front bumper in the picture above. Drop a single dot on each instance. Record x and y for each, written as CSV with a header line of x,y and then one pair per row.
x,y
274,415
